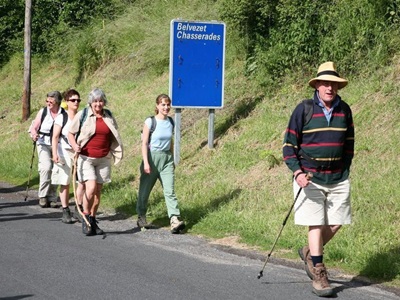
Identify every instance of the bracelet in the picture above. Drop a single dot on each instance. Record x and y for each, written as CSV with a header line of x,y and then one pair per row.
x,y
297,175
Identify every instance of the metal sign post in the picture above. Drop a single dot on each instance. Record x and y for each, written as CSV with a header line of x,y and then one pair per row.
x,y
211,117
197,63
177,136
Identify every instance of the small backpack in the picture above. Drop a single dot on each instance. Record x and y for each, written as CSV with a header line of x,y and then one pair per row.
x,y
154,124
50,134
309,110
84,117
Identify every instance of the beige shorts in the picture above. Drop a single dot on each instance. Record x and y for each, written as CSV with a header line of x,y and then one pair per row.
x,y
323,204
98,169
62,172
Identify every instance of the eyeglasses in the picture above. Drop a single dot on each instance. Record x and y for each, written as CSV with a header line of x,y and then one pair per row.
x,y
74,100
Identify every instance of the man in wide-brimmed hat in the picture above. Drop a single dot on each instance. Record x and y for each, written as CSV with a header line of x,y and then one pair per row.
x,y
327,72
320,140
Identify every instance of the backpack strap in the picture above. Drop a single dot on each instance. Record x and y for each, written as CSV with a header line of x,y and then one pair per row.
x,y
171,120
84,117
108,111
44,114
154,124
81,120
65,120
308,110
346,109
152,127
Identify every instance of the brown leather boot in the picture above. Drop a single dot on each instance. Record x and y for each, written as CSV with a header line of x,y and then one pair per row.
x,y
305,256
320,282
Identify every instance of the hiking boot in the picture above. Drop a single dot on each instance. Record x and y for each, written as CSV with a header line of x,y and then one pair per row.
x,y
95,229
305,256
66,218
54,204
85,229
320,282
142,222
43,202
176,225
77,215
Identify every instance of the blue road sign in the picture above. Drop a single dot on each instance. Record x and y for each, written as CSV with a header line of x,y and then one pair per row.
x,y
197,61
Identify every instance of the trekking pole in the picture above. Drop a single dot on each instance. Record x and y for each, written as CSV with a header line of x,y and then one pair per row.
x,y
30,170
309,176
74,188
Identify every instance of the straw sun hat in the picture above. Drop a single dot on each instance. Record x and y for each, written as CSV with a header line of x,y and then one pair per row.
x,y
327,72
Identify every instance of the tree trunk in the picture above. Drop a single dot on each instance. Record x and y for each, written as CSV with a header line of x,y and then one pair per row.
x,y
26,95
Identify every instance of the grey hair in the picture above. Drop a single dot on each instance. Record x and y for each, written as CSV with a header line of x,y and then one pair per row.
x,y
56,95
97,94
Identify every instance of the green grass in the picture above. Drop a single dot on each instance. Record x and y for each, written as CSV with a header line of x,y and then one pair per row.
x,y
241,187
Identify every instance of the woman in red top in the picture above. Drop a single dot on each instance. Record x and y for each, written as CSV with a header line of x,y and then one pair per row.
x,y
94,135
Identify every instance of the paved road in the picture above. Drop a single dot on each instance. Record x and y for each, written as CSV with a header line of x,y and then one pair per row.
x,y
42,258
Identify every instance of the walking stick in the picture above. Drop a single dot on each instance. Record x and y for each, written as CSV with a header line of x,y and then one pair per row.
x,y
30,170
309,176
74,188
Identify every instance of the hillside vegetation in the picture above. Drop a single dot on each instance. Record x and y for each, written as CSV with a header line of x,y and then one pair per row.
x,y
240,189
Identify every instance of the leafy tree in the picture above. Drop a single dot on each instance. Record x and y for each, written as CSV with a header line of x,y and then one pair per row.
x,y
11,26
252,18
51,19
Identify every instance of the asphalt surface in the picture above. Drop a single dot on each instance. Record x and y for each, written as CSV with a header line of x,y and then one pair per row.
x,y
42,258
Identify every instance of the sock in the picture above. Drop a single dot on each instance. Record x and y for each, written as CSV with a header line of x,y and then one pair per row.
x,y
317,259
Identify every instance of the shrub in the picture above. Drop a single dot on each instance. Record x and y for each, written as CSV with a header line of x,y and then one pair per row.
x,y
51,19
292,35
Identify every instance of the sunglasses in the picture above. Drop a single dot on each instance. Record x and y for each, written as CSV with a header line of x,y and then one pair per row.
x,y
74,100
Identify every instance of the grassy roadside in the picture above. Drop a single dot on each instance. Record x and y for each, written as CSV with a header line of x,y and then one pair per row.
x,y
241,188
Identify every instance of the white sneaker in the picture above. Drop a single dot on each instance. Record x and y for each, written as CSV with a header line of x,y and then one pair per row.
x,y
176,224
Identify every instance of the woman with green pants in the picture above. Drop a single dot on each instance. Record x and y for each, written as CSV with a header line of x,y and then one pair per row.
x,y
158,163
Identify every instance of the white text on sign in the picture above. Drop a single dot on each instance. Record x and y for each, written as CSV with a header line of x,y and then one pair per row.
x,y
185,32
